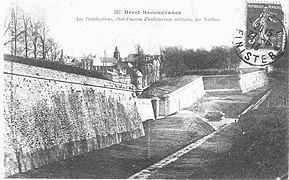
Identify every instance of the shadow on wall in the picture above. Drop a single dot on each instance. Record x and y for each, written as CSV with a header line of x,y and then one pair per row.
x,y
46,121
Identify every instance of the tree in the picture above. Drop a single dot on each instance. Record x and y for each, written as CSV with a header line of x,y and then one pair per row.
x,y
198,59
140,61
13,31
27,37
52,50
34,37
234,59
173,61
281,62
25,32
162,72
43,31
219,57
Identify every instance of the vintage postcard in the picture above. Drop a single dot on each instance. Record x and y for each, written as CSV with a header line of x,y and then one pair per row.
x,y
145,89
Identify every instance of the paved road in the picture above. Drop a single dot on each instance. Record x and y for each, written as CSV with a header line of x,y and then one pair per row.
x,y
163,138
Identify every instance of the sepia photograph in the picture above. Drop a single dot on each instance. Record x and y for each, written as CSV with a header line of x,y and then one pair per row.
x,y
145,89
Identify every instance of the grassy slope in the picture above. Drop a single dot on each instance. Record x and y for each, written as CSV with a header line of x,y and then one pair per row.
x,y
167,86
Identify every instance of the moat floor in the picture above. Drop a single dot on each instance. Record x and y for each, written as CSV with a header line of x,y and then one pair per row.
x,y
163,137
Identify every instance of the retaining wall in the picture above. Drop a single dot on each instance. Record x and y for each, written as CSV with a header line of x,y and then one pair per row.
x,y
52,115
253,80
145,109
181,98
240,83
215,82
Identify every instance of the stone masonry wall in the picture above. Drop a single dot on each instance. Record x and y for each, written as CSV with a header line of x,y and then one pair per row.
x,y
52,115
215,82
182,98
145,109
244,82
253,80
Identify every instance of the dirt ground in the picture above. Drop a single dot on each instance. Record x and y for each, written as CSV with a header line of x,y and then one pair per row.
x,y
250,148
256,147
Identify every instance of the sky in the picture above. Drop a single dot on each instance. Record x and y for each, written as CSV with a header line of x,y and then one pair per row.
x,y
78,38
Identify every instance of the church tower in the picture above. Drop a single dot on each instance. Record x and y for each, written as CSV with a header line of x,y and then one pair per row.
x,y
116,54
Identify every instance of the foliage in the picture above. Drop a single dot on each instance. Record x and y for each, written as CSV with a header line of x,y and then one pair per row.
x,y
175,60
282,61
27,37
140,61
147,65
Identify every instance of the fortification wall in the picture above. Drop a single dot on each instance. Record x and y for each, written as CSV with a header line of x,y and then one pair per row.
x,y
145,109
215,82
240,83
181,98
253,80
52,115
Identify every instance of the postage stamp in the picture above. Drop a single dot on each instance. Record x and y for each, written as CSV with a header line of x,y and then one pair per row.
x,y
263,37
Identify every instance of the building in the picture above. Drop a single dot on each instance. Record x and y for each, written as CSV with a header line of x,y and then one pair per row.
x,y
103,64
121,70
150,67
87,64
117,77
131,58
71,61
116,54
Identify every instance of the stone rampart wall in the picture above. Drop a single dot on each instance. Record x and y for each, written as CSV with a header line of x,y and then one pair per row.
x,y
52,115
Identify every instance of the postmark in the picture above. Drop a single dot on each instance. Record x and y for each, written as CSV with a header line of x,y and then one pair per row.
x,y
262,38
